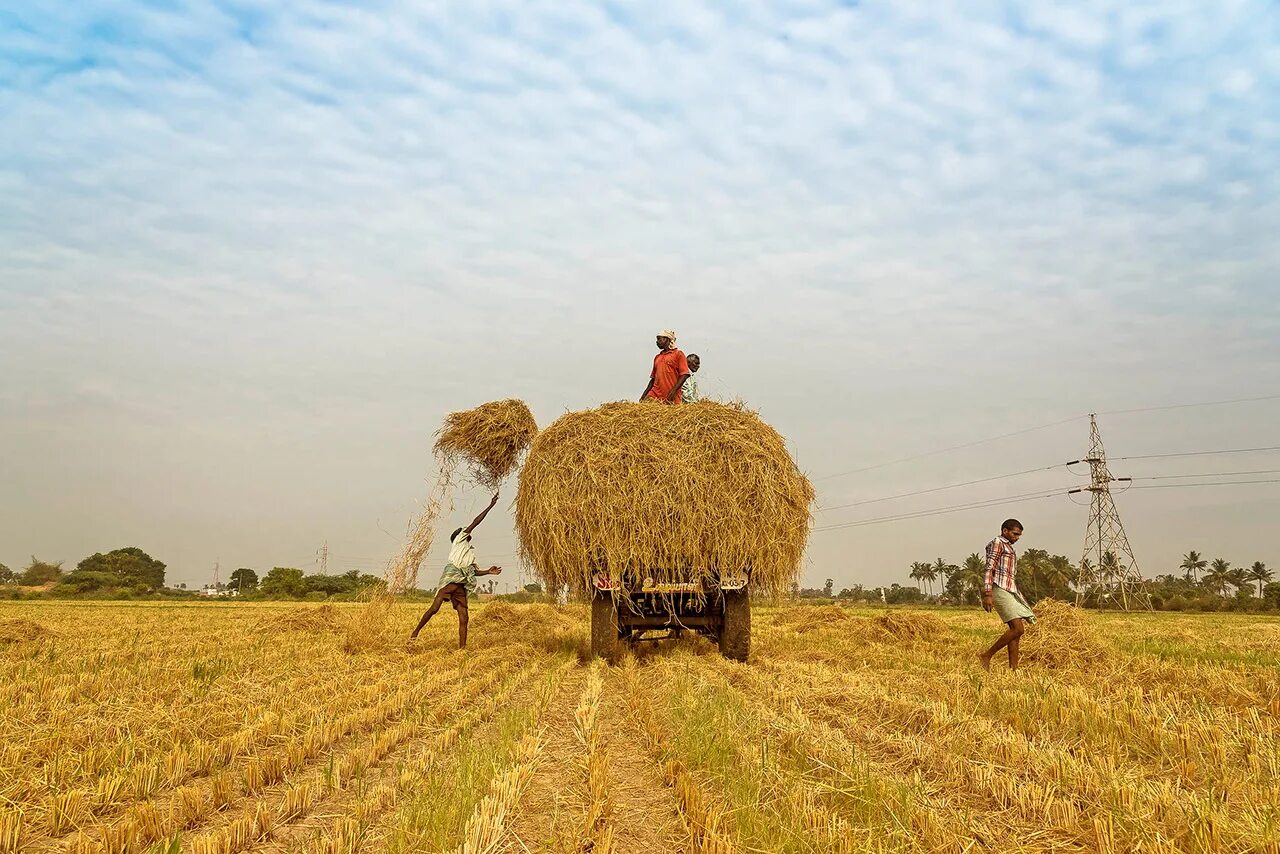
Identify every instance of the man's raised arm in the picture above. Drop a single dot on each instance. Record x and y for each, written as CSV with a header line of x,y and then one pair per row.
x,y
483,513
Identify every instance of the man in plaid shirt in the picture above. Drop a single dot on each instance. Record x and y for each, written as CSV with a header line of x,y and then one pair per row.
x,y
1000,592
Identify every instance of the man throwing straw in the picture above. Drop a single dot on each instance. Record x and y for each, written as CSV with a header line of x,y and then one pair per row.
x,y
1000,591
459,577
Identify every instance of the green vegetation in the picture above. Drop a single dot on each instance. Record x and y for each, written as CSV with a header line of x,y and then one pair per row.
x,y
1201,585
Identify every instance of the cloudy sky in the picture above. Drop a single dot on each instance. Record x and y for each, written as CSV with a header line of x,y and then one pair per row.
x,y
251,253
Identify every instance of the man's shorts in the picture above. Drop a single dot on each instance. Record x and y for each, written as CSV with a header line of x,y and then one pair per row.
x,y
456,594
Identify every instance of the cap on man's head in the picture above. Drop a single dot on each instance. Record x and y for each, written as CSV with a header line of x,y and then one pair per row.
x,y
669,334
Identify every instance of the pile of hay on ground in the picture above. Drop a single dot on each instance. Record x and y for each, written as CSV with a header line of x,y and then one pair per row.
x,y
674,493
1063,636
806,618
911,625
21,631
889,626
320,619
490,439
547,628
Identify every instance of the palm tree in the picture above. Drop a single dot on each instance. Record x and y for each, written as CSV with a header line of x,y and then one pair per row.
x,y
930,575
1061,575
1259,573
1216,579
1238,578
974,572
919,571
1109,567
1192,564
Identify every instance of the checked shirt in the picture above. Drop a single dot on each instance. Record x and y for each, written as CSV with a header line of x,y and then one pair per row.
x,y
1002,563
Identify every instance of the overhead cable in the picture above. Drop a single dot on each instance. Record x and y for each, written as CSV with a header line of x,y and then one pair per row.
x,y
991,502
1198,453
952,448
1190,405
1207,483
1206,474
936,488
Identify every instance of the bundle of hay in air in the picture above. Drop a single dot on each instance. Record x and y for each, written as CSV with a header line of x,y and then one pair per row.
x,y
671,493
490,439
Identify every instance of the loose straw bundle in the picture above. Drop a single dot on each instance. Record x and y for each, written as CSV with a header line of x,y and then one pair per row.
x,y
1063,636
672,493
490,438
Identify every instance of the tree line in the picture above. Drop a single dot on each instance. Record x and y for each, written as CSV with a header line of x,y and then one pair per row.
x,y
121,573
1199,584
130,573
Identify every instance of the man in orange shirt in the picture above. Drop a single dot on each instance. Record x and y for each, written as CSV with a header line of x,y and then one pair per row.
x,y
670,370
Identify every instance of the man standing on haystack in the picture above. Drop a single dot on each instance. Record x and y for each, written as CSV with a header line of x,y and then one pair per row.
x,y
690,391
459,577
670,371
1000,591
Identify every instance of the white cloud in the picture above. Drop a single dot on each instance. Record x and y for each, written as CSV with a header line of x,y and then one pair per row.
x,y
256,217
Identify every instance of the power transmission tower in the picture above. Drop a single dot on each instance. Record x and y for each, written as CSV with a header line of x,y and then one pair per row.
x,y
1108,570
324,558
216,566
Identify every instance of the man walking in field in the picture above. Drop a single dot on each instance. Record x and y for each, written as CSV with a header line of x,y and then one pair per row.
x,y
459,577
670,371
1000,591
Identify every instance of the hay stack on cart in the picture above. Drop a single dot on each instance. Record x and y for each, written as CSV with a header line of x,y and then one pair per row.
x,y
665,517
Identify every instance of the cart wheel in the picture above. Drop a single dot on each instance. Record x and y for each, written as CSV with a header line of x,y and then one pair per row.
x,y
735,634
605,637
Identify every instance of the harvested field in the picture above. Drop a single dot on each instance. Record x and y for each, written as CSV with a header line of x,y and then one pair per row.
x,y
217,728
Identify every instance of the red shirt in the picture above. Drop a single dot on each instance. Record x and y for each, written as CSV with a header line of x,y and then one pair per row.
x,y
668,367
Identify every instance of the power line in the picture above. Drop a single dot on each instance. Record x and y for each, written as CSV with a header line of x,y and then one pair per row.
x,y
952,448
1207,474
937,488
1207,483
1055,424
1200,453
1190,405
937,511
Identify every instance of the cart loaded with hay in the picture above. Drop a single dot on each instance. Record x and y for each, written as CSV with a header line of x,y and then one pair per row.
x,y
665,518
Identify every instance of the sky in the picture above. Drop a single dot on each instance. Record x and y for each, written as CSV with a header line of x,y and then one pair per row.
x,y
251,253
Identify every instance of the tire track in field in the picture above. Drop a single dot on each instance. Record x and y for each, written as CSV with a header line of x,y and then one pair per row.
x,y
702,811
646,814
490,817
548,816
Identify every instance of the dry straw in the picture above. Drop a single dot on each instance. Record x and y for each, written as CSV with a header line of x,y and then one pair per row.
x,y
672,493
320,619
490,438
20,630
1063,636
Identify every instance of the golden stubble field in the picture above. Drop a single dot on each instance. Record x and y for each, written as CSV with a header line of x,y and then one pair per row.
x,y
237,727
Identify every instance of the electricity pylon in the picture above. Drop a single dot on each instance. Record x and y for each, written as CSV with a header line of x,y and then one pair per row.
x,y
1108,569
